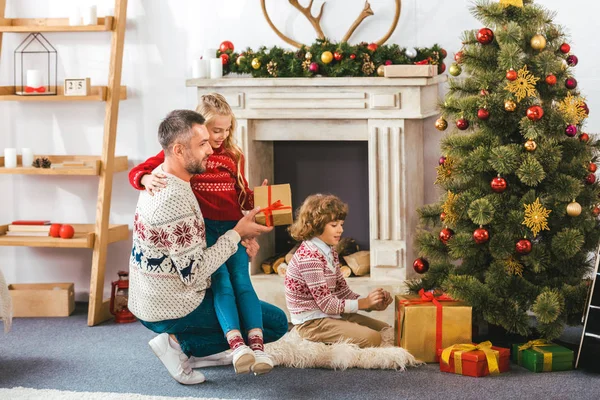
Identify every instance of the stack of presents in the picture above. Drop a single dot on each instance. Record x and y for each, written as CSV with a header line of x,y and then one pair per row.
x,y
437,329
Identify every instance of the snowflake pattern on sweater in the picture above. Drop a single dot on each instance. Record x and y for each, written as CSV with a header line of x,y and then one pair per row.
x,y
170,266
311,285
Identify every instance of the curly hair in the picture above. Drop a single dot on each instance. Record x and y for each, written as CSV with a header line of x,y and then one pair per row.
x,y
317,211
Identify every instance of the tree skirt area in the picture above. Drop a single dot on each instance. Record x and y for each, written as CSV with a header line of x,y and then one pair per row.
x,y
21,393
294,352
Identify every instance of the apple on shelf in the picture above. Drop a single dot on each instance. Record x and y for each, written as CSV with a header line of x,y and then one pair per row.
x,y
64,231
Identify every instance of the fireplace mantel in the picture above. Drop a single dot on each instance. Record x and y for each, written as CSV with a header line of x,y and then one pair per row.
x,y
388,113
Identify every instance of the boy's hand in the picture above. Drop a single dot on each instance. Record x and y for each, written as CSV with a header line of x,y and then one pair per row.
x,y
372,301
387,300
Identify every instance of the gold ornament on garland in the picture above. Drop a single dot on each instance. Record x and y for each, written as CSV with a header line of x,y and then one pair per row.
x,y
308,55
306,64
510,105
536,217
444,171
255,63
516,3
240,59
524,85
449,209
513,267
538,42
530,145
326,57
368,68
441,124
380,70
574,209
573,109
272,69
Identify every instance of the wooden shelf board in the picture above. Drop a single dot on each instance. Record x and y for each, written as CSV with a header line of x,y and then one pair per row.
x,y
27,25
98,93
83,239
92,170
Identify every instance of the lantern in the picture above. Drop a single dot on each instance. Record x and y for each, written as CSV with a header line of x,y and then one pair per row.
x,y
118,299
35,67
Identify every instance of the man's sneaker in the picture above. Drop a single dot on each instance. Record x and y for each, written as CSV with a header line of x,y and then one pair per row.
x,y
263,363
175,361
243,359
214,360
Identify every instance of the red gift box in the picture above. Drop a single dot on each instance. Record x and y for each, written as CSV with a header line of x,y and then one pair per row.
x,y
474,360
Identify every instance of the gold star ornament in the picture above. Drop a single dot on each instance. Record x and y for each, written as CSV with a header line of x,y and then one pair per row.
x,y
516,3
524,85
536,217
449,208
513,267
573,109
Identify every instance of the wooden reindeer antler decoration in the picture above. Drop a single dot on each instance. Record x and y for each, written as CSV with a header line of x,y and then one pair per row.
x,y
316,21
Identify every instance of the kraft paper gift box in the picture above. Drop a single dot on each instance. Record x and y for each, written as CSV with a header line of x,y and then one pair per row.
x,y
275,202
474,359
423,326
542,356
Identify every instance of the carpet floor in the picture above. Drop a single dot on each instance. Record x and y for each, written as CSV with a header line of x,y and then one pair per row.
x,y
65,354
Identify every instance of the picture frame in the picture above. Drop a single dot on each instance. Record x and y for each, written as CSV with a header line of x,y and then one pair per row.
x,y
77,87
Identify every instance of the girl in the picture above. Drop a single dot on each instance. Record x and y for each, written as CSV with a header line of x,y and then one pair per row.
x,y
222,192
322,306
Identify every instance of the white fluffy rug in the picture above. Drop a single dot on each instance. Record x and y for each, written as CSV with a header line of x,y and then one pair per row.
x,y
293,351
21,393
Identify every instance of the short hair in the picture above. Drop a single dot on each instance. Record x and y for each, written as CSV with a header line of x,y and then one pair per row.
x,y
177,127
317,211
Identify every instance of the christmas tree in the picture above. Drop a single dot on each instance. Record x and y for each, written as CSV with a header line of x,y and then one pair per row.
x,y
516,228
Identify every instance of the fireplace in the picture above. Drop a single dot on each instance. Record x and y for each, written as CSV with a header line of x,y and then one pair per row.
x,y
386,113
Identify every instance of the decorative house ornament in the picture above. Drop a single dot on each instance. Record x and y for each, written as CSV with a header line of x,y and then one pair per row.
x,y
77,87
35,68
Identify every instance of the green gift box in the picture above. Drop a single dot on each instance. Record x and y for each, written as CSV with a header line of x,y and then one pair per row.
x,y
542,356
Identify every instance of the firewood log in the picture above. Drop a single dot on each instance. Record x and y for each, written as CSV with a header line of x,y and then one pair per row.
x,y
290,254
359,262
346,246
282,269
346,271
267,265
280,259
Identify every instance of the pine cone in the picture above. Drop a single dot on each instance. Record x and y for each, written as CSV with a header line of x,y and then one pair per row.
x,y
46,163
37,163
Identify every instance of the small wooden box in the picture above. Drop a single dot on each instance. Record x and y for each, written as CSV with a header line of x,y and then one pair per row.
x,y
410,71
42,299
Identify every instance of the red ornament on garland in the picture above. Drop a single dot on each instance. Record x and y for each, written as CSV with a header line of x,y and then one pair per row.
x,y
565,48
590,179
523,246
444,53
571,83
458,57
224,58
445,235
483,92
551,79
481,235
585,108
596,211
226,45
535,113
442,160
511,75
372,46
485,36
572,60
352,56
443,216
337,56
442,68
483,114
462,124
313,67
584,137
421,265
498,184
571,130
592,167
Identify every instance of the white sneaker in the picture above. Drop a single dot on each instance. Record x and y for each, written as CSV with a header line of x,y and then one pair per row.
x,y
263,363
214,360
175,361
243,359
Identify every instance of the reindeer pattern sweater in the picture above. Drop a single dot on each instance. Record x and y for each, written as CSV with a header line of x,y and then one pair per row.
x,y
170,266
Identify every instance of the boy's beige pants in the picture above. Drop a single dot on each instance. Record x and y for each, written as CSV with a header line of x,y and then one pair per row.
x,y
356,328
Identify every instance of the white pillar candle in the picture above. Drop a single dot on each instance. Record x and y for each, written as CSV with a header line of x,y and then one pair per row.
x,y
10,158
90,15
34,78
26,157
74,17
216,68
209,53
200,69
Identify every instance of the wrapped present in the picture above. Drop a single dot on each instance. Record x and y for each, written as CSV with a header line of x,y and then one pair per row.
x,y
475,360
275,202
542,356
426,323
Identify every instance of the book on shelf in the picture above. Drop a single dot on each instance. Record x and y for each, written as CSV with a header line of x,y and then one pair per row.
x,y
30,222
29,228
13,233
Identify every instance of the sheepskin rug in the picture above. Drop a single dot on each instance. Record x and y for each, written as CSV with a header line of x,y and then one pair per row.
x,y
293,351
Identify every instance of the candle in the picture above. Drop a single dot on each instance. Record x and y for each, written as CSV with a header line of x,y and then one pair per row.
x,y
34,78
90,15
216,68
10,158
74,17
209,53
26,157
200,69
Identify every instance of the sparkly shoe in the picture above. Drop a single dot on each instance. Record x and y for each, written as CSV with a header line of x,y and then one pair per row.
x,y
263,363
243,359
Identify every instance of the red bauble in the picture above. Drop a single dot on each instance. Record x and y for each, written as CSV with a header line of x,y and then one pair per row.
x,y
226,45
337,56
565,48
483,92
535,113
511,75
592,167
485,36
446,234
481,235
66,231
313,67
352,56
225,58
590,179
462,124
442,68
596,211
388,62
584,137
523,246
483,114
498,184
571,83
372,46
551,80
458,57
585,108
421,265
55,230
442,160
444,53
572,60
443,216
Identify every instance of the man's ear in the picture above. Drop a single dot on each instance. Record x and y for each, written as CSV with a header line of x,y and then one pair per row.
x,y
178,149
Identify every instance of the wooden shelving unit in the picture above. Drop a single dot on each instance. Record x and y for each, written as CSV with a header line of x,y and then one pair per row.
x,y
87,236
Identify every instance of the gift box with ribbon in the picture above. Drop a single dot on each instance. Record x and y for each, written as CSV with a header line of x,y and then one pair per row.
x,y
542,356
426,323
474,359
275,202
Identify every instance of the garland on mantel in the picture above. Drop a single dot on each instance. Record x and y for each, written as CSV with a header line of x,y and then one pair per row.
x,y
325,58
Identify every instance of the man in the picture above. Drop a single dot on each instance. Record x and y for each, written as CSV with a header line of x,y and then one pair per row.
x,y
170,265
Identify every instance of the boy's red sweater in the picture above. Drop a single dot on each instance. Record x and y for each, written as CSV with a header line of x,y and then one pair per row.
x,y
216,189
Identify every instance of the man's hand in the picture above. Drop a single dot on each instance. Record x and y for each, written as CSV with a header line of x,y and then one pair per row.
x,y
265,182
373,300
247,228
154,182
251,246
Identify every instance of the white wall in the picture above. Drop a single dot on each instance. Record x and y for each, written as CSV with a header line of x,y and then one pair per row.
x,y
161,40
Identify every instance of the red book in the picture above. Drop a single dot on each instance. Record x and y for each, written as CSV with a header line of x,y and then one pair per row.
x,y
30,222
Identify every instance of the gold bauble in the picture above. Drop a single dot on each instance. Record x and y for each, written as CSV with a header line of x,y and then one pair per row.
x,y
308,55
510,105
240,59
538,42
255,63
380,70
326,57
574,209
441,124
530,145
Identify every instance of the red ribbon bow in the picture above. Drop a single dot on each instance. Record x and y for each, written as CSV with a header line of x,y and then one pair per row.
x,y
29,89
423,62
268,211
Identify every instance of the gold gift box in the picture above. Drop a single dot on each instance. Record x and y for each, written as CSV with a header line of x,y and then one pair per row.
x,y
416,326
266,197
